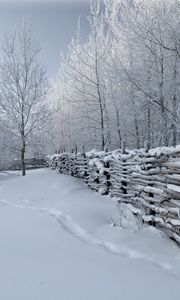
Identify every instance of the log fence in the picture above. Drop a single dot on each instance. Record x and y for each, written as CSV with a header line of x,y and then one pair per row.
x,y
148,181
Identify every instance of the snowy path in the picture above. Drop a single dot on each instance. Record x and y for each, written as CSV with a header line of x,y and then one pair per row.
x,y
57,242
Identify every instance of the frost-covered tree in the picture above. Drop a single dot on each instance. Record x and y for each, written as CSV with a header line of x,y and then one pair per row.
x,y
23,88
85,78
122,82
146,27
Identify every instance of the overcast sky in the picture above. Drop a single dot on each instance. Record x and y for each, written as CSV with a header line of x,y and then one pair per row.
x,y
54,23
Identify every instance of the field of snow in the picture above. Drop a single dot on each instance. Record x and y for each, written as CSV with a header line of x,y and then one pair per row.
x,y
58,241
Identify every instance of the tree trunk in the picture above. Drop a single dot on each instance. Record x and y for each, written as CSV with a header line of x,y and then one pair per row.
x,y
102,127
136,125
101,111
118,129
148,107
174,127
100,100
23,168
175,101
118,125
148,123
162,102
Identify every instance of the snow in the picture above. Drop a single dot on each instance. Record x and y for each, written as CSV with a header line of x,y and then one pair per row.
x,y
59,240
174,222
164,151
173,187
97,158
95,162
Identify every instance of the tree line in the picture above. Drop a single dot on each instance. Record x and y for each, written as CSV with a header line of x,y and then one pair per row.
x,y
122,83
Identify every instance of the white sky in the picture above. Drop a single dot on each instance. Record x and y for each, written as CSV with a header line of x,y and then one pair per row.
x,y
54,23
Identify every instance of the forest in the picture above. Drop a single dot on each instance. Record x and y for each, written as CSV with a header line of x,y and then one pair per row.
x,y
122,82
119,84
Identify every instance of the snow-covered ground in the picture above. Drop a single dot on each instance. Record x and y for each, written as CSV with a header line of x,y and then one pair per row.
x,y
58,241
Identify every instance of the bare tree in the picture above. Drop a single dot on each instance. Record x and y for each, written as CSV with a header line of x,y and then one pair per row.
x,y
84,75
23,87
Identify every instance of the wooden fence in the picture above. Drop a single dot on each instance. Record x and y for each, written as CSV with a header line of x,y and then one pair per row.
x,y
30,163
148,181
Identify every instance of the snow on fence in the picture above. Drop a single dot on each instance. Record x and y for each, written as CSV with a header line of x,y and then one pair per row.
x,y
148,181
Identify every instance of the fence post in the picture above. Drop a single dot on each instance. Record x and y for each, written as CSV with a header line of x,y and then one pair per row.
x,y
86,173
108,176
151,195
